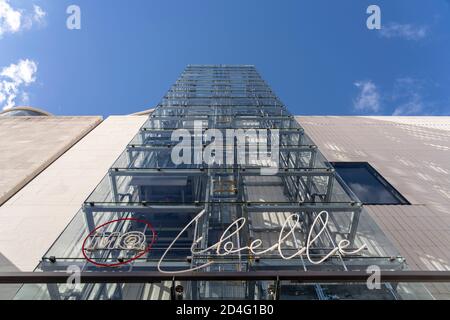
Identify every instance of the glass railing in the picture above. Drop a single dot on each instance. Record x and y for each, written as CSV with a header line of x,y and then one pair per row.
x,y
237,289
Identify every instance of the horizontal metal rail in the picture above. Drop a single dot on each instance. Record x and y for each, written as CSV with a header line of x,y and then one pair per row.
x,y
297,276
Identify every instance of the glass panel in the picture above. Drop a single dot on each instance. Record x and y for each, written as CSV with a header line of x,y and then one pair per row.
x,y
231,290
368,185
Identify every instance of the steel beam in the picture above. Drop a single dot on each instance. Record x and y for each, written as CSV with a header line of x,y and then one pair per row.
x,y
297,276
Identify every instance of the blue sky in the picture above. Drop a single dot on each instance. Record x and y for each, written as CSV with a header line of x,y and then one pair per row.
x,y
318,56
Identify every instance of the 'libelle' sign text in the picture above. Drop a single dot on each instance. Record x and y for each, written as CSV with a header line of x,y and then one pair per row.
x,y
136,242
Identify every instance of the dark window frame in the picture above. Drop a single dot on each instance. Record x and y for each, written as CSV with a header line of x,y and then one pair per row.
x,y
371,170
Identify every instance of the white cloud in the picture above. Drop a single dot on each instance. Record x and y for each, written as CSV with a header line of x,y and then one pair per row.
x,y
413,107
12,81
407,95
368,98
37,17
13,20
405,31
39,14
10,19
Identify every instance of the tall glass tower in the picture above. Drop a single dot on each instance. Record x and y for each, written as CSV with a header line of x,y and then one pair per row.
x,y
220,179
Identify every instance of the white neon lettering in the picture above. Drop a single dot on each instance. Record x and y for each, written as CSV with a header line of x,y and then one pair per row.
x,y
225,245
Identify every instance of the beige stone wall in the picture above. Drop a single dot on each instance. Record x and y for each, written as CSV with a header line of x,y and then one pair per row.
x,y
29,144
413,154
35,216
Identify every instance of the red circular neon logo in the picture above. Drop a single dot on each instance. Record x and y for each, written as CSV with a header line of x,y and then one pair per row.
x,y
137,256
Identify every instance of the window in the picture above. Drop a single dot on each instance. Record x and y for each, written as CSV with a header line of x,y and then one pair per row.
x,y
367,184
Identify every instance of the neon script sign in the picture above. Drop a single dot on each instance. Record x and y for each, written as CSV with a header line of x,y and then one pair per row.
x,y
225,246
136,241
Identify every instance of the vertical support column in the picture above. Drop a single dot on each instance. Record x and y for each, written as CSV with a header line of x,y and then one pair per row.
x,y
53,291
330,185
355,222
113,181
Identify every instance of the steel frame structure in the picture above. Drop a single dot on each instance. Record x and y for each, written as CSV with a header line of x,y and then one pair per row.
x,y
144,182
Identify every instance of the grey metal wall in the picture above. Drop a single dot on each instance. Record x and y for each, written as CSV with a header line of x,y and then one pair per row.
x,y
413,154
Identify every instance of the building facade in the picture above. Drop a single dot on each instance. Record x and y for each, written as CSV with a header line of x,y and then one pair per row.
x,y
222,178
